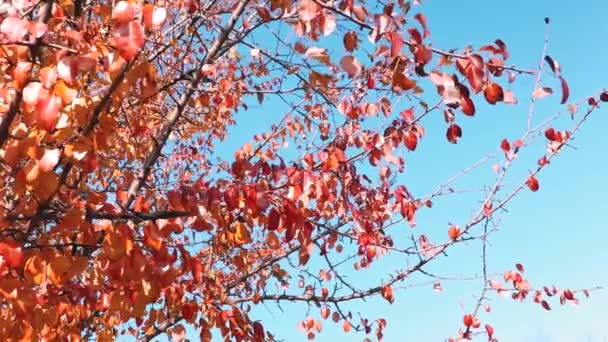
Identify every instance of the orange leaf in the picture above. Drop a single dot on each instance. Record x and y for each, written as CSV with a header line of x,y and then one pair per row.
x,y
273,241
331,163
346,326
493,93
115,246
57,270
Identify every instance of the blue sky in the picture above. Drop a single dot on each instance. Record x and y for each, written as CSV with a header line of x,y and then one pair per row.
x,y
558,233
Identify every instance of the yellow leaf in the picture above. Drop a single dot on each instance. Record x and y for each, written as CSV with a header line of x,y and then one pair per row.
x,y
34,270
66,93
241,234
31,172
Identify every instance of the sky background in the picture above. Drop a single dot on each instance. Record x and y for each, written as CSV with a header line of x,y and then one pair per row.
x,y
559,233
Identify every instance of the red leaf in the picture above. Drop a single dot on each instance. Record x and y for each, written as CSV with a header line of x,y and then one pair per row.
x,y
468,320
454,133
490,331
416,37
604,96
550,134
467,106
387,293
410,140
533,183
502,49
505,146
454,232
371,84
475,73
407,115
487,209
189,311
493,93
545,305
569,294
592,101
258,332
325,312
129,39
47,110
396,43
290,233
422,20
197,270
554,65
565,90
374,156
11,252
519,267
273,219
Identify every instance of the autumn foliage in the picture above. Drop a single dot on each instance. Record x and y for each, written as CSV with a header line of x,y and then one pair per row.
x,y
120,213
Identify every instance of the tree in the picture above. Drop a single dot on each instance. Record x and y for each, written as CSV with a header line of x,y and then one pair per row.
x,y
121,214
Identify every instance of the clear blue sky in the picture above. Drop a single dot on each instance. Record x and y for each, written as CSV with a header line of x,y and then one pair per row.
x,y
558,233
